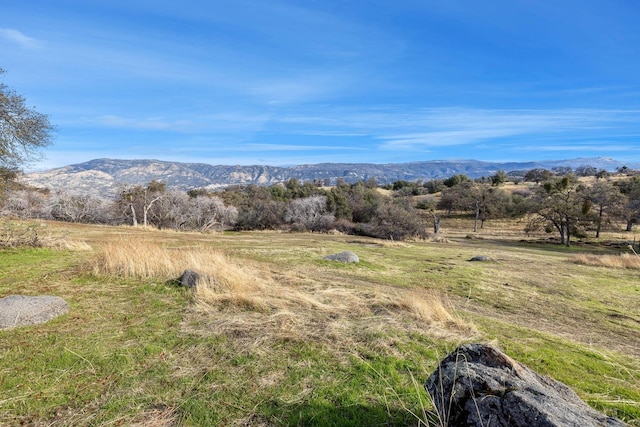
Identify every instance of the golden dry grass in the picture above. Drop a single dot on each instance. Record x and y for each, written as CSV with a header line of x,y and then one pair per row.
x,y
628,261
136,258
233,297
16,234
64,244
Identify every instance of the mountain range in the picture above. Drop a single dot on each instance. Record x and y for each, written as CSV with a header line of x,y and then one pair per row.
x,y
104,176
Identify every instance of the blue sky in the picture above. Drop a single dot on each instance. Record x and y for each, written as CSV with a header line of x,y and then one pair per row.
x,y
283,82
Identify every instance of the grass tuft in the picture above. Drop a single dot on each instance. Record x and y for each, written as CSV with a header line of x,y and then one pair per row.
x,y
627,261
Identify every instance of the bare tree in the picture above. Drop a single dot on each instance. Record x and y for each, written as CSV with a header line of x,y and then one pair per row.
x,y
208,212
309,213
26,204
22,132
170,209
134,200
78,208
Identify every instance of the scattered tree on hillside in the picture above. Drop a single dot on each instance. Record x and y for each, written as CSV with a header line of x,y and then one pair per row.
x,y
434,186
630,188
606,199
562,170
499,178
456,198
586,170
559,203
456,180
538,175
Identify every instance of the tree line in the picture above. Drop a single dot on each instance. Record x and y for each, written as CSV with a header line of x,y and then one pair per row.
x,y
557,202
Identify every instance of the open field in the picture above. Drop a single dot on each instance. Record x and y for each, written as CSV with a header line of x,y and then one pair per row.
x,y
283,337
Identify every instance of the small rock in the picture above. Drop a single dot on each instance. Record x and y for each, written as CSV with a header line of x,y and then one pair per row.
x,y
345,256
189,279
22,310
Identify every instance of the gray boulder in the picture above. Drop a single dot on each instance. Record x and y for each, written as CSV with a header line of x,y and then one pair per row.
x,y
21,310
345,256
478,385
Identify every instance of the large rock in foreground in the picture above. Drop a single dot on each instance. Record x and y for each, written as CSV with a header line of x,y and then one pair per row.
x,y
477,385
21,310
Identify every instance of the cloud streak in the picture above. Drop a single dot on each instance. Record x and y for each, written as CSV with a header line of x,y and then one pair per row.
x,y
19,38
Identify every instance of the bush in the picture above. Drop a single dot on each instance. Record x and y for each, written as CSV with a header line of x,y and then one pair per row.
x,y
14,235
395,222
344,226
269,215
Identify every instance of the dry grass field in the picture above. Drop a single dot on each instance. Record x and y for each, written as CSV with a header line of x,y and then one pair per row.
x,y
275,335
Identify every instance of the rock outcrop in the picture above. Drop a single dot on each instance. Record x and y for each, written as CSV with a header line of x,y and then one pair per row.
x,y
21,310
478,385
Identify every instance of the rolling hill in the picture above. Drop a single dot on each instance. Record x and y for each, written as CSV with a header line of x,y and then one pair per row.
x,y
104,176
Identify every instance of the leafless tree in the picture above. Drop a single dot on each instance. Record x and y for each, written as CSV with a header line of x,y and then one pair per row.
x,y
309,213
136,200
22,132
26,203
78,208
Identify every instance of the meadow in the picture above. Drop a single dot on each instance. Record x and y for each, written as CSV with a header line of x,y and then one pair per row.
x,y
278,336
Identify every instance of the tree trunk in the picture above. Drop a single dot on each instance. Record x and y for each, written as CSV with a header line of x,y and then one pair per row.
x,y
475,221
599,225
436,223
133,215
147,207
568,233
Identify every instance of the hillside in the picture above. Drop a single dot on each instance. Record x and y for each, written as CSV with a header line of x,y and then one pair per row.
x,y
103,176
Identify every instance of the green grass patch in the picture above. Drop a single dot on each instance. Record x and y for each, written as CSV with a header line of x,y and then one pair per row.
x,y
133,351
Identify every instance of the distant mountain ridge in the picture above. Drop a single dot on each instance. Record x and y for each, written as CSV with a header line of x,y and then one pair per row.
x,y
104,176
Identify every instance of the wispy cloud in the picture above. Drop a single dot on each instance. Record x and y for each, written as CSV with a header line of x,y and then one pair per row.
x,y
19,38
293,147
224,123
451,127
591,148
151,123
